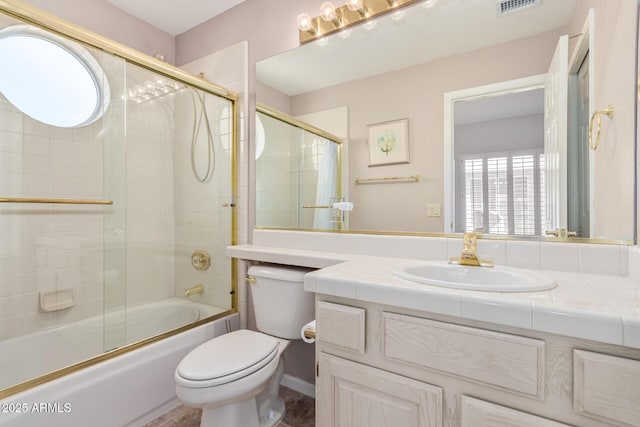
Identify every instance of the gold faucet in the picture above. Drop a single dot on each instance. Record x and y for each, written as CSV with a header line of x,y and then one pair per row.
x,y
198,289
469,255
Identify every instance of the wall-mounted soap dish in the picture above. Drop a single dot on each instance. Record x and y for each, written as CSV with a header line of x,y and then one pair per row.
x,y
57,300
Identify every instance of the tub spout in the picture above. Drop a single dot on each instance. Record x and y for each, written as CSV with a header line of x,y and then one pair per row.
x,y
198,289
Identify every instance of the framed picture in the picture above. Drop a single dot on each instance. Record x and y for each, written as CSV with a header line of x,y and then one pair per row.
x,y
388,143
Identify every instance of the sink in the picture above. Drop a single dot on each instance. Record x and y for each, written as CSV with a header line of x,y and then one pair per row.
x,y
494,279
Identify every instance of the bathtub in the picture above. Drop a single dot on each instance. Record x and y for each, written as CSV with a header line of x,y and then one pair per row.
x,y
129,389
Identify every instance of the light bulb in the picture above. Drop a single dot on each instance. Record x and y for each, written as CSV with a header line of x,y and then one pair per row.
x,y
358,6
304,22
328,11
354,5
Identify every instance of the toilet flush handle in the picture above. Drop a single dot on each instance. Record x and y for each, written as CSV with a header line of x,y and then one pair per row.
x,y
250,279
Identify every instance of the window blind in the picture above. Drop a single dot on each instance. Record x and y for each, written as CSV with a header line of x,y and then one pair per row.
x,y
504,192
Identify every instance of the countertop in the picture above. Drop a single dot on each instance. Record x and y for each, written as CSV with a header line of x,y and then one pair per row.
x,y
596,307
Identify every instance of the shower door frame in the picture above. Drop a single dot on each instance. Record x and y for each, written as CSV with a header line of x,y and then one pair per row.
x,y
38,18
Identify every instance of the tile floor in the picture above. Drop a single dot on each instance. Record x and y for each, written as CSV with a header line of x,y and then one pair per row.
x,y
300,413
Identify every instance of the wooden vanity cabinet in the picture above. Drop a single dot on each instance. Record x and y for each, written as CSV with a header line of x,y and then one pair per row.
x,y
380,366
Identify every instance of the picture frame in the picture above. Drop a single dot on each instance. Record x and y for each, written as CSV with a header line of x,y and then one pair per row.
x,y
388,142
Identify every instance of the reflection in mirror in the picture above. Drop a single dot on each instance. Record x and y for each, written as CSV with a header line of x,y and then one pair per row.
x,y
297,173
499,154
405,69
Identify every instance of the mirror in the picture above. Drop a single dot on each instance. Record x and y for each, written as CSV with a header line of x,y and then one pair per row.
x,y
449,71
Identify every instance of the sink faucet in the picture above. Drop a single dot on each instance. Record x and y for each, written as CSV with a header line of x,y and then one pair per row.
x,y
469,255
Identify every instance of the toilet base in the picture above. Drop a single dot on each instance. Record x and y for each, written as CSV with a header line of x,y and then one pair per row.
x,y
271,412
245,414
235,414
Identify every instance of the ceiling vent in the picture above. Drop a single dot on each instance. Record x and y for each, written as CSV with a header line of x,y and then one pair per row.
x,y
507,7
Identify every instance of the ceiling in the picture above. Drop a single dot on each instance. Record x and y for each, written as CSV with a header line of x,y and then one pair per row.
x,y
174,16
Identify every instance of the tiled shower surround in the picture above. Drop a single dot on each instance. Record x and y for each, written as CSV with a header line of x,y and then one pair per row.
x,y
46,247
132,251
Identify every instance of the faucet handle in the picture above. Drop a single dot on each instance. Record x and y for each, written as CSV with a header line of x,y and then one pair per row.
x,y
561,233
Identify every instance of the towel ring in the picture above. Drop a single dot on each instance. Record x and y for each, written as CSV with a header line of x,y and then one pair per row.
x,y
595,118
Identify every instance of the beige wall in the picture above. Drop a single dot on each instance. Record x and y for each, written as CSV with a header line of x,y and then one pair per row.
x,y
105,19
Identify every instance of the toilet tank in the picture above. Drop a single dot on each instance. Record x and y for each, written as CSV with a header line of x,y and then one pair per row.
x,y
280,303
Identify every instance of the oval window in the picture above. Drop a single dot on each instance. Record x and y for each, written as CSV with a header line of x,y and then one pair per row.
x,y
51,79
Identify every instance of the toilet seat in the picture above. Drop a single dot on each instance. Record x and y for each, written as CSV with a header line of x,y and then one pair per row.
x,y
226,358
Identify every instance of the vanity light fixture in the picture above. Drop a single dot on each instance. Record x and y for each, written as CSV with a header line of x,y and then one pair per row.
x,y
354,12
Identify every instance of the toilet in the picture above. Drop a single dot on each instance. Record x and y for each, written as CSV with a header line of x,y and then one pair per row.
x,y
235,378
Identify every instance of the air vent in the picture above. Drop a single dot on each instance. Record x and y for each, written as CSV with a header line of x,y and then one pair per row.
x,y
507,7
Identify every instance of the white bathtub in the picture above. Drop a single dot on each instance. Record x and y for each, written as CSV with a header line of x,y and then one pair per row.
x,y
131,388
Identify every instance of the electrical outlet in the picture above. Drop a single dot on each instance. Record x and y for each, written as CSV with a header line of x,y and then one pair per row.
x,y
433,209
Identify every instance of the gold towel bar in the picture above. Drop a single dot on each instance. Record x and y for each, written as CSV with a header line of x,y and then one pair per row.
x,y
316,207
55,201
412,178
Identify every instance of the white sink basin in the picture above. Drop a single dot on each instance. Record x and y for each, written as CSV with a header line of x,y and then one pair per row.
x,y
494,279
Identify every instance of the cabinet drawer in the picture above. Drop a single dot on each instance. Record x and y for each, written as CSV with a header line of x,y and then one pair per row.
x,y
341,326
606,387
506,361
478,413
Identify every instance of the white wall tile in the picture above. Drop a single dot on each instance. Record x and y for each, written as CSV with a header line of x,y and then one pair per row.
x,y
435,248
601,259
410,247
560,256
492,250
523,254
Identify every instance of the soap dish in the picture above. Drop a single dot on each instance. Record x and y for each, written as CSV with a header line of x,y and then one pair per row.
x,y
57,300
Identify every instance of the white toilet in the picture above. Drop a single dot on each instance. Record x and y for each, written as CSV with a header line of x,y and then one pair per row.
x,y
235,377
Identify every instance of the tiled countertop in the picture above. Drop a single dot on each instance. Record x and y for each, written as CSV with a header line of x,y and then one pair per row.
x,y
589,306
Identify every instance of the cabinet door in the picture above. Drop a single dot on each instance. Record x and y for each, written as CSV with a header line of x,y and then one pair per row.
x,y
350,394
478,413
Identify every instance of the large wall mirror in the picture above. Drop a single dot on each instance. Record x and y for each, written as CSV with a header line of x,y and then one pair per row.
x,y
455,117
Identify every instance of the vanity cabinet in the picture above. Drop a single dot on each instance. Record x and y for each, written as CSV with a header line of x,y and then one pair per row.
x,y
399,367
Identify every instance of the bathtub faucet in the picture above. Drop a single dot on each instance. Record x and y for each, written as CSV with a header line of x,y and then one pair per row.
x,y
198,289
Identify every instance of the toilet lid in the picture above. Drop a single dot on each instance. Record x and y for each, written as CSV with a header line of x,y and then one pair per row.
x,y
240,352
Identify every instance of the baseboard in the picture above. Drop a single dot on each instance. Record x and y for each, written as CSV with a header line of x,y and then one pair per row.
x,y
299,385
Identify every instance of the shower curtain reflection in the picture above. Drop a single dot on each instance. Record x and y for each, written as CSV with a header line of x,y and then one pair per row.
x,y
298,174
327,168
